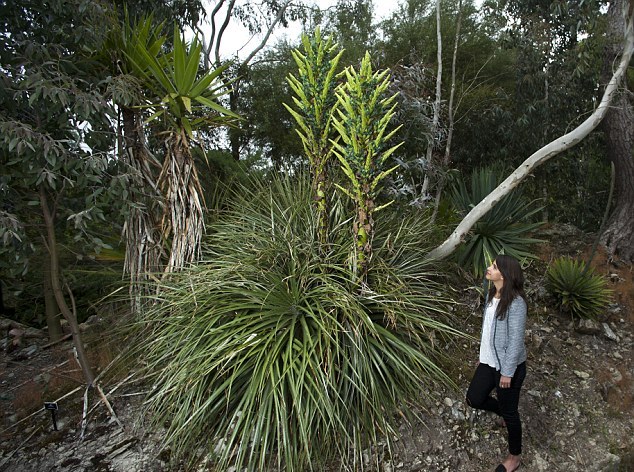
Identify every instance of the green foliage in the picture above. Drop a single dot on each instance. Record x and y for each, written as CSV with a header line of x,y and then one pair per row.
x,y
576,288
315,96
503,230
352,25
54,126
267,126
270,354
315,102
364,114
174,78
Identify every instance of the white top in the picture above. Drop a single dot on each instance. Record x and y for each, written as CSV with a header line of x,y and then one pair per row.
x,y
487,356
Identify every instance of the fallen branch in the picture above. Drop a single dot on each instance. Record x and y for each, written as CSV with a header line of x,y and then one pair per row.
x,y
62,339
40,410
6,459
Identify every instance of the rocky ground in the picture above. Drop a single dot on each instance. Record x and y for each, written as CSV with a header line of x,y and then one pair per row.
x,y
577,402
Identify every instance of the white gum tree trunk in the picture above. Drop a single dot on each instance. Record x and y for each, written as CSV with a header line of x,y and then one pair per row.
x,y
547,152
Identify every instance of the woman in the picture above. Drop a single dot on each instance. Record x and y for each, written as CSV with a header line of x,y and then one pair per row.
x,y
502,363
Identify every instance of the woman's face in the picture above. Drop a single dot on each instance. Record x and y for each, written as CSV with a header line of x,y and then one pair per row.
x,y
493,274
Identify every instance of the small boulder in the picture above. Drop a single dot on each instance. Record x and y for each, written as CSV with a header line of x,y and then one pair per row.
x,y
588,326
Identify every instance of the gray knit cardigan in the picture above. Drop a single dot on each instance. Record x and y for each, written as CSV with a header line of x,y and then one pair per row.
x,y
507,340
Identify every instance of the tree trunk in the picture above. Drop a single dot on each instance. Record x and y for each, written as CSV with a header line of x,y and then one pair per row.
x,y
437,104
183,219
544,154
618,128
141,229
50,305
450,114
56,285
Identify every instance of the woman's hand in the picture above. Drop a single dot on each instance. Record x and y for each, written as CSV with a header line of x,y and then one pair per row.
x,y
505,382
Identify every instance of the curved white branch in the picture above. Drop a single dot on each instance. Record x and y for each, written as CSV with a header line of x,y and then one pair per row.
x,y
544,154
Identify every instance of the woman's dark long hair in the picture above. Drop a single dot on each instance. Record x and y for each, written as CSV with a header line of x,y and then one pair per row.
x,y
513,286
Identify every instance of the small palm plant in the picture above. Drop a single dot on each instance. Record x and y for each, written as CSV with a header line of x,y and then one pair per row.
x,y
503,230
576,288
314,106
263,360
364,114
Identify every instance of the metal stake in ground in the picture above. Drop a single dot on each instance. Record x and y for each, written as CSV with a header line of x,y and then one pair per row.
x,y
53,407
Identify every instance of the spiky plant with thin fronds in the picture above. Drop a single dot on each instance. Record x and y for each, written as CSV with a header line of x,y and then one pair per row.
x,y
364,114
504,229
264,361
577,289
314,102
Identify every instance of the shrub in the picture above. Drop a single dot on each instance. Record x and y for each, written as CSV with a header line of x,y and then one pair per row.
x,y
270,355
577,291
503,230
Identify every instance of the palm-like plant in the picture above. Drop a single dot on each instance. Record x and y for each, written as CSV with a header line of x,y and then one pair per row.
x,y
503,230
315,102
141,232
188,101
262,359
364,114
576,288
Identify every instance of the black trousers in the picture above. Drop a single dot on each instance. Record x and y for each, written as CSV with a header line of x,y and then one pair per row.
x,y
485,379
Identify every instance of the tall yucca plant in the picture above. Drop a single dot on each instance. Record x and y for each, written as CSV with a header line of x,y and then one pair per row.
x,y
503,230
261,360
364,113
314,102
188,101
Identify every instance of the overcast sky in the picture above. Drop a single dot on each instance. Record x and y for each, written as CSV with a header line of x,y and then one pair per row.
x,y
237,39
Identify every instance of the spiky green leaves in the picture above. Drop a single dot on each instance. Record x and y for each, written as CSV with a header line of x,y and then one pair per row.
x,y
185,95
315,99
503,230
363,116
577,290
261,360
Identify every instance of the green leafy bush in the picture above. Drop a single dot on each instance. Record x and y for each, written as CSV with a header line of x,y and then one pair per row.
x,y
577,291
269,355
503,230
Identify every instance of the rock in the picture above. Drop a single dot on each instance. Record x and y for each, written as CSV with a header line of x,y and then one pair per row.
x,y
607,331
617,376
537,341
588,326
614,308
457,414
609,463
581,374
448,402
